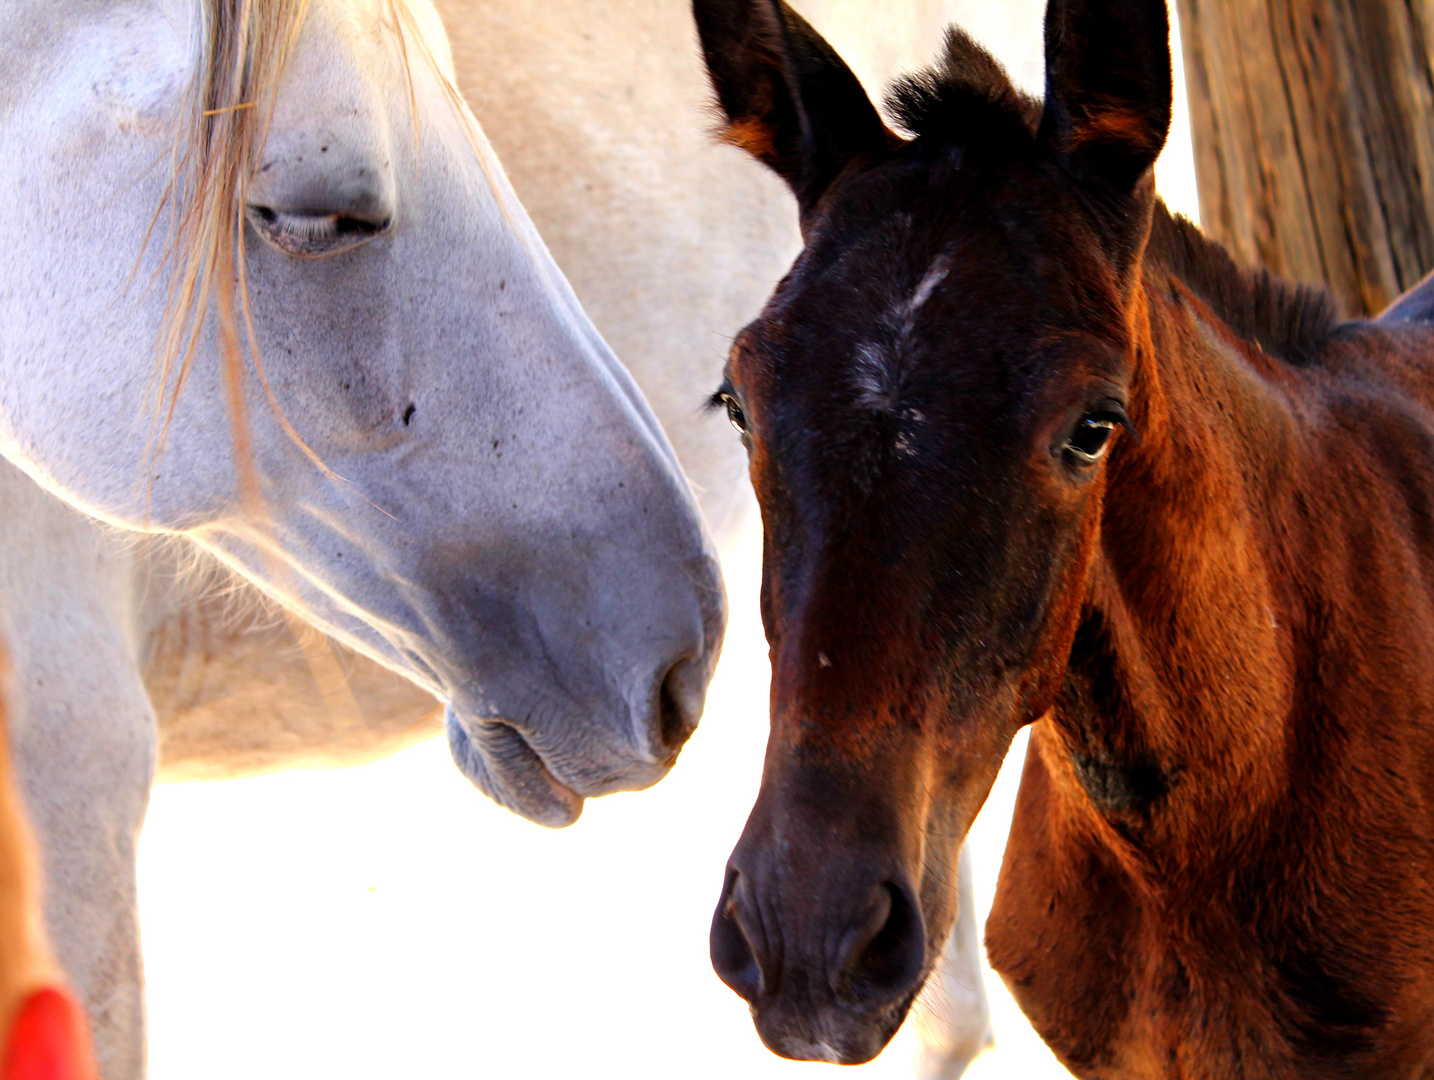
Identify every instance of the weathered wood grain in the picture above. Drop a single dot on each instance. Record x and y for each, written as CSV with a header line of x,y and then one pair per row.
x,y
1313,123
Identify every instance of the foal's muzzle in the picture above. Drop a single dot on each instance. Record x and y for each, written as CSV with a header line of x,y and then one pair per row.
x,y
830,962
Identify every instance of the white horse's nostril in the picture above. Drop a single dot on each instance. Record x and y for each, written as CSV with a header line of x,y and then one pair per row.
x,y
679,706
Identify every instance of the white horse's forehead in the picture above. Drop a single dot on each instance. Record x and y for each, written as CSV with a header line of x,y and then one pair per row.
x,y
366,23
139,78
136,75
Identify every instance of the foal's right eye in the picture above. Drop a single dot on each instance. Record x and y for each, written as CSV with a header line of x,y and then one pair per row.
x,y
1089,440
1088,443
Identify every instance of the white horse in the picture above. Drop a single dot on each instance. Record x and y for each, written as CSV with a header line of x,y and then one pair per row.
x,y
511,532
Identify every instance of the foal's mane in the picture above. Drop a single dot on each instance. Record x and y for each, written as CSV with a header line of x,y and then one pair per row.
x,y
1287,319
968,101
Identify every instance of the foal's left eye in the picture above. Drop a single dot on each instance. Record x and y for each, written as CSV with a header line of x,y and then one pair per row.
x,y
734,412
1090,440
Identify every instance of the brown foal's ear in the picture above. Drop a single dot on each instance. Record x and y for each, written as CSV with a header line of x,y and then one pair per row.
x,y
788,98
1108,89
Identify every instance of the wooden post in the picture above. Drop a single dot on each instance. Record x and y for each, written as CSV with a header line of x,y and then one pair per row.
x,y
1313,123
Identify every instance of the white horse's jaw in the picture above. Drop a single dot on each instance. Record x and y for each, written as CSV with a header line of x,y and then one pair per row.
x,y
512,530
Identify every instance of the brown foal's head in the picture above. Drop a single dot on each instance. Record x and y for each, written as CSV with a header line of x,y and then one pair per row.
x,y
929,400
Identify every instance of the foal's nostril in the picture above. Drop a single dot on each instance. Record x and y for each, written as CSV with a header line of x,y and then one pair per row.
x,y
733,957
676,714
883,955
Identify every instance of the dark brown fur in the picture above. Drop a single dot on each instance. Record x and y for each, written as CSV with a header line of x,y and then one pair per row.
x,y
1222,861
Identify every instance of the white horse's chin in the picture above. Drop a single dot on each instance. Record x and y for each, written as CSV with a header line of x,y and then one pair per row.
x,y
499,762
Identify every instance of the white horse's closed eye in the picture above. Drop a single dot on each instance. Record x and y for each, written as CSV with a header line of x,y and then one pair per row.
x,y
511,531
313,233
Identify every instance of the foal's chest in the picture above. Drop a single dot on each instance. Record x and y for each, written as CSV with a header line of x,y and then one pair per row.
x,y
1127,982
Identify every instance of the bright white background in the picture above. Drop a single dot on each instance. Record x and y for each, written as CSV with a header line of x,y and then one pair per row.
x,y
390,922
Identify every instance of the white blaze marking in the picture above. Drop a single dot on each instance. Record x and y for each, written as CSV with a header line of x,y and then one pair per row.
x,y
872,370
874,367
940,267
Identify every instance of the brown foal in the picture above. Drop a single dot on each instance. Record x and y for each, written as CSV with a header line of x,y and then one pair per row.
x,y
1031,451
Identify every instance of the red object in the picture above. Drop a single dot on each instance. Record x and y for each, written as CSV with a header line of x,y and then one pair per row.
x,y
50,1040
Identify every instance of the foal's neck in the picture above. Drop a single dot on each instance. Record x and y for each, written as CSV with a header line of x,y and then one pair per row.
x,y
1181,677
1240,764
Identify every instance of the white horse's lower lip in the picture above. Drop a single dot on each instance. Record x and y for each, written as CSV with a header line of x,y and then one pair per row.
x,y
501,764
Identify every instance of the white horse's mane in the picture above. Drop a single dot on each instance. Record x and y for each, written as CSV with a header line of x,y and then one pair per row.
x,y
244,46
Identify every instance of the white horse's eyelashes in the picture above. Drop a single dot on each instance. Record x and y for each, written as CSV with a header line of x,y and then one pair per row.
x,y
313,234
304,226
325,188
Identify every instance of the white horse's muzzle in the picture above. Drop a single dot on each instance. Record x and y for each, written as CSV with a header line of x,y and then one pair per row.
x,y
502,765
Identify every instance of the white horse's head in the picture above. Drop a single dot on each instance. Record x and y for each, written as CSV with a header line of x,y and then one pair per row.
x,y
511,529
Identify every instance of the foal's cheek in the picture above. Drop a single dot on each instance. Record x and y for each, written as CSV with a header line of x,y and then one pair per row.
x,y
967,754
969,768
1069,591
